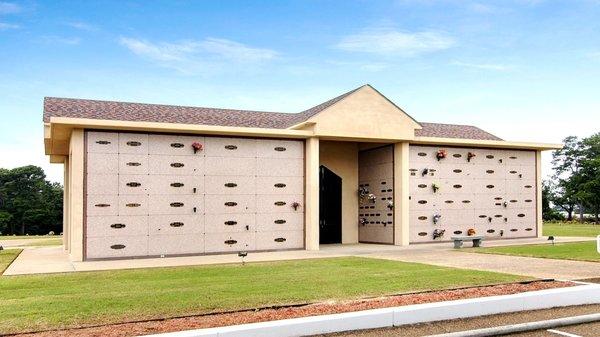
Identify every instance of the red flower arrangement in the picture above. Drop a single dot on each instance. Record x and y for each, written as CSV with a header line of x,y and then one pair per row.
x,y
197,147
441,154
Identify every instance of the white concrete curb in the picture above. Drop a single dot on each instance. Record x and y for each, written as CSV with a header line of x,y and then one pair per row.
x,y
410,314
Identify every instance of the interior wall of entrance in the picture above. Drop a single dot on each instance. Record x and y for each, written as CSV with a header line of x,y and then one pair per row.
x,y
342,159
376,185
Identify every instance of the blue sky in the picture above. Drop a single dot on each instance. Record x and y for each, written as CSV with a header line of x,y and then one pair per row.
x,y
524,70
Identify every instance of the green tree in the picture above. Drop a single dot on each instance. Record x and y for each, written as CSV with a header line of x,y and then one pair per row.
x,y
5,222
29,204
567,163
589,176
560,196
549,213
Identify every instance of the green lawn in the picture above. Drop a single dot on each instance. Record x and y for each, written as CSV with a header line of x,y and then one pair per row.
x,y
45,242
74,299
582,251
563,229
7,256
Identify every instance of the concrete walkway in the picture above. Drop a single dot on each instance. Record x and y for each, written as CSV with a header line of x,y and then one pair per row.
x,y
528,266
55,260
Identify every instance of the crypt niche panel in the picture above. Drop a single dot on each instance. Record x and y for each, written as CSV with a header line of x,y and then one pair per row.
x,y
158,195
462,191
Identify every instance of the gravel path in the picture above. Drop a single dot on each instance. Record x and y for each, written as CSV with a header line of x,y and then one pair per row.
x,y
583,330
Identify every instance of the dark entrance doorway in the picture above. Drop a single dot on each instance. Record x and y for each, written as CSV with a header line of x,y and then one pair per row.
x,y
330,206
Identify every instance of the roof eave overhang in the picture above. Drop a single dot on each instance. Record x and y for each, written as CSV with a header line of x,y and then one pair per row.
x,y
486,143
306,125
360,138
57,132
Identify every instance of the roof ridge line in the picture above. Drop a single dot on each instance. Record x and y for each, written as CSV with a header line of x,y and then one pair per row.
x,y
451,124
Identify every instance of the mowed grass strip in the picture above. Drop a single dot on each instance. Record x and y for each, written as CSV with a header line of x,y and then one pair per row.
x,y
26,237
7,256
76,299
567,229
44,242
580,251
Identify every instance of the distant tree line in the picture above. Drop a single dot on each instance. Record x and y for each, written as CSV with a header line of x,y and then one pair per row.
x,y
29,204
575,185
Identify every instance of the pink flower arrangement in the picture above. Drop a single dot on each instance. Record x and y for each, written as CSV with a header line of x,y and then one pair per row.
x,y
197,147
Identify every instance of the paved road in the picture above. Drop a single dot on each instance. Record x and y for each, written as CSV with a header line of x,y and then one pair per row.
x,y
583,330
586,330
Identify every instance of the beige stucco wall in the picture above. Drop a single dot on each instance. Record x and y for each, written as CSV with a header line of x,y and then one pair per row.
x,y
66,190
401,194
68,202
364,114
76,195
311,190
342,159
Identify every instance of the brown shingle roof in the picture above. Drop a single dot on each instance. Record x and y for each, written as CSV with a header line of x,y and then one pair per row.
x,y
454,131
124,111
142,112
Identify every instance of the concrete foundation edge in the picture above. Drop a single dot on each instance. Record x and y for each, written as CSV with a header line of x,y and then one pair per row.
x,y
410,314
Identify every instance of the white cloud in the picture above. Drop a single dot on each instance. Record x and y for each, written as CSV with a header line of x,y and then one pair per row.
x,y
159,52
481,8
82,26
483,66
9,8
236,51
7,26
375,67
388,41
366,66
195,55
530,2
52,39
594,55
